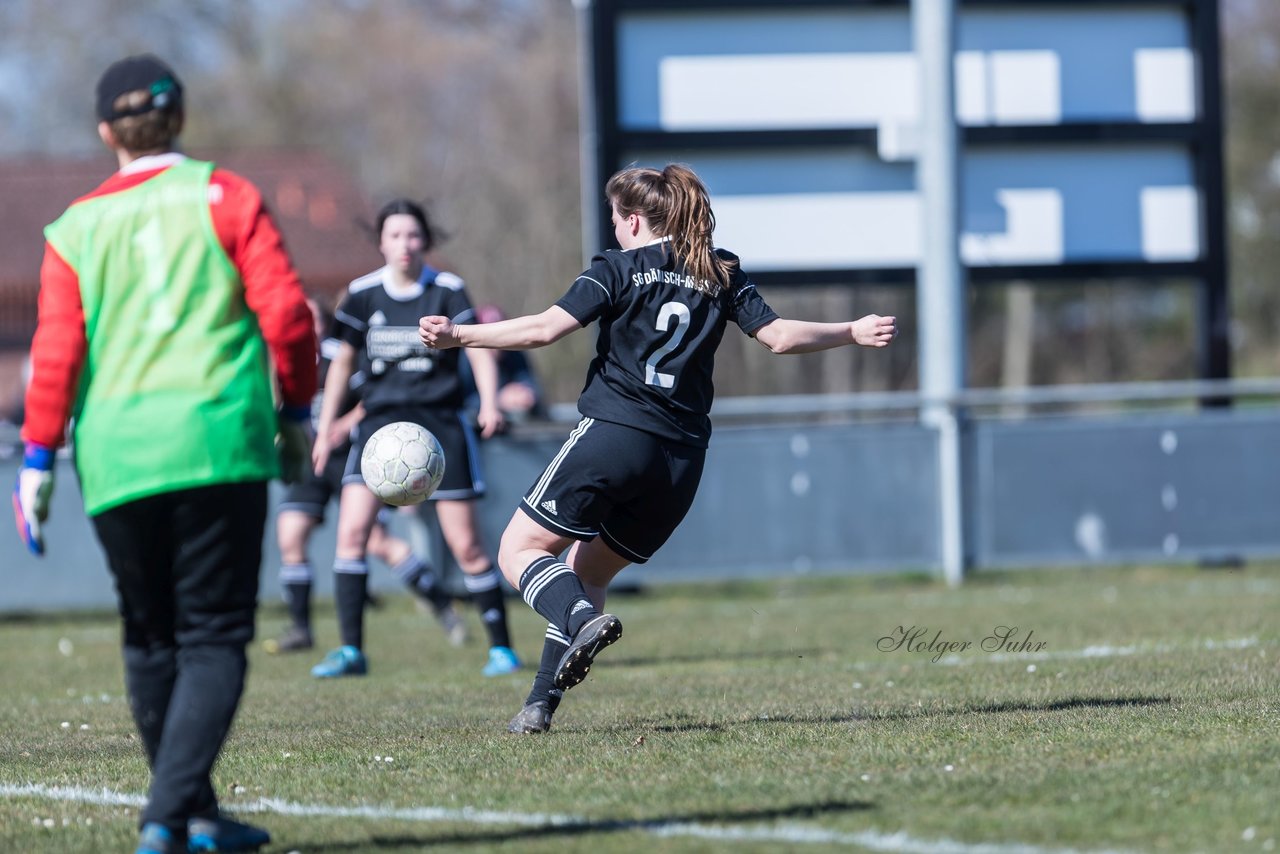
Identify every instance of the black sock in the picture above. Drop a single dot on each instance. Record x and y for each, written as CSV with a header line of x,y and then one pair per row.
x,y
295,581
486,593
544,687
553,590
350,585
421,581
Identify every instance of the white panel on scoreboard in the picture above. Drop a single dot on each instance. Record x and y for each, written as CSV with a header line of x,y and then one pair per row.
x,y
784,91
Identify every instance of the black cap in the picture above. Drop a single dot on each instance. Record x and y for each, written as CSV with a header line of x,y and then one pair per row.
x,y
136,73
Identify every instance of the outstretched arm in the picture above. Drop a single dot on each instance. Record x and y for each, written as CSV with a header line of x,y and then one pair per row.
x,y
484,370
518,333
341,367
806,336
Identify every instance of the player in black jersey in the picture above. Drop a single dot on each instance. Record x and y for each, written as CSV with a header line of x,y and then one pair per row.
x,y
398,379
627,474
303,508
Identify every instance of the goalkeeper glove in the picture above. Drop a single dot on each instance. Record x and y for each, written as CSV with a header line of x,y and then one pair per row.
x,y
293,443
31,494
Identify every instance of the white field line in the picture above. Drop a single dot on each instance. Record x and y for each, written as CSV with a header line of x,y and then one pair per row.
x,y
869,839
782,833
1100,651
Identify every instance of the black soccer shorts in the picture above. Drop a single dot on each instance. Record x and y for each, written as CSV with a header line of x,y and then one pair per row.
x,y
463,472
627,486
312,494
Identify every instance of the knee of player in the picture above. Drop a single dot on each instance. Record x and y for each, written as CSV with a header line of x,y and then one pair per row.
x,y
381,544
293,530
352,540
472,555
508,562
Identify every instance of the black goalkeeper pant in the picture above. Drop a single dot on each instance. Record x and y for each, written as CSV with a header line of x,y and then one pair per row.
x,y
186,567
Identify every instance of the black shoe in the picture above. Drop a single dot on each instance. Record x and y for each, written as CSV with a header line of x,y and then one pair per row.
x,y
594,636
292,639
532,719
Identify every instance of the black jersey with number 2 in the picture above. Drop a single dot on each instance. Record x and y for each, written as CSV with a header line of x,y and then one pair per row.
x,y
393,368
658,337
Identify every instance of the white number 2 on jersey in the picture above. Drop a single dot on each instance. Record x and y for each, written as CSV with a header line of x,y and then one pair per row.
x,y
680,311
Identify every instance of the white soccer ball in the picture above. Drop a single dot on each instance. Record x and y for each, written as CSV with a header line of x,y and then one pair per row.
x,y
402,463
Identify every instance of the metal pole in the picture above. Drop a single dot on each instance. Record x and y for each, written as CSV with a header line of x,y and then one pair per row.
x,y
1215,305
588,134
941,281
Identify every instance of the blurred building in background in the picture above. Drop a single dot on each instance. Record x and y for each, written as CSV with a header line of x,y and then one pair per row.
x,y
318,205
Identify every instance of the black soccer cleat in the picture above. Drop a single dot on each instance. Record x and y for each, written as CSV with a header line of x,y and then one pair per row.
x,y
532,719
594,636
292,639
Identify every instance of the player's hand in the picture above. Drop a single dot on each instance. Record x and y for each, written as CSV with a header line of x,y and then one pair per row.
x,y
320,452
293,444
874,330
437,332
31,495
491,421
339,431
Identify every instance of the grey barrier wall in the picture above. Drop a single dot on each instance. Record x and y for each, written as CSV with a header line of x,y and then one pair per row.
x,y
774,500
1175,487
848,498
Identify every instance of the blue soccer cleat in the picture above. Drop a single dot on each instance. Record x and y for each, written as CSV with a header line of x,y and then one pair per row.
x,y
156,839
343,661
502,660
223,834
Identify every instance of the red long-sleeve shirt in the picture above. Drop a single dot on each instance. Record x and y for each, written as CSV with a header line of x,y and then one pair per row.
x,y
271,289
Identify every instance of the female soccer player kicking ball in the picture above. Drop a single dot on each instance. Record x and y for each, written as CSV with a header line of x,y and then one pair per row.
x,y
627,475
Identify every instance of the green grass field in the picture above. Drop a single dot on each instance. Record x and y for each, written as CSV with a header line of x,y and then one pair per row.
x,y
756,717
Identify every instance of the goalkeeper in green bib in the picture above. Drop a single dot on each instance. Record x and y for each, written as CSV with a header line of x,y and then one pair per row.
x,y
166,301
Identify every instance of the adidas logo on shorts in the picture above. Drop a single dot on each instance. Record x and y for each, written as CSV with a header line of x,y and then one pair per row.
x,y
550,506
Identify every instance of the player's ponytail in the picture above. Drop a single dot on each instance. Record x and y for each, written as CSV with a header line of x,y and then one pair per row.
x,y
676,204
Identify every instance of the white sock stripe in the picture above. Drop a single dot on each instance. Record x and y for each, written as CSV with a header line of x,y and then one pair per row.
x,y
534,589
548,575
296,573
482,582
539,581
351,567
541,487
554,634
